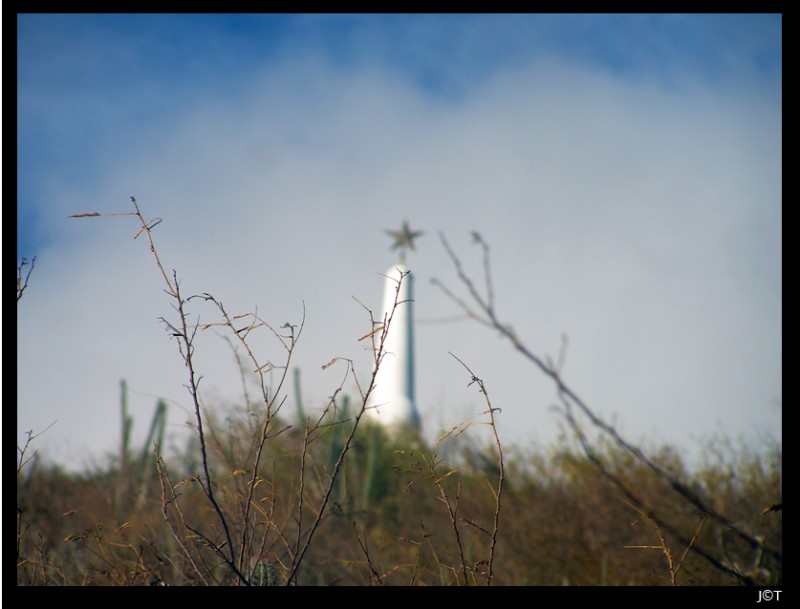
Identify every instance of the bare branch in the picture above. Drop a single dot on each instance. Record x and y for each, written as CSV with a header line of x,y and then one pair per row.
x,y
483,312
22,284
379,352
501,465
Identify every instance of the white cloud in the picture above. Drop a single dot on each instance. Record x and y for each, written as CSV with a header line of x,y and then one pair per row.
x,y
621,214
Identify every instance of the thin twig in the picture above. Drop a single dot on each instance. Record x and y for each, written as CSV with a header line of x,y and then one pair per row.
x,y
185,340
635,500
452,508
485,314
501,465
365,549
163,478
379,353
21,285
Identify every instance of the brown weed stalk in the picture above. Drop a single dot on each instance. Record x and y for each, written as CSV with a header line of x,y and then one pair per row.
x,y
379,352
481,309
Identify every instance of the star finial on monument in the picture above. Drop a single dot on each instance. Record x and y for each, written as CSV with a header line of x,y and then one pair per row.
x,y
403,238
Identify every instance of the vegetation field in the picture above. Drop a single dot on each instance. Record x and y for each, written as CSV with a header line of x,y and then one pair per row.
x,y
264,495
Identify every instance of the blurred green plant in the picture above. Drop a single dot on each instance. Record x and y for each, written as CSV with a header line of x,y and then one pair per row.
x,y
137,468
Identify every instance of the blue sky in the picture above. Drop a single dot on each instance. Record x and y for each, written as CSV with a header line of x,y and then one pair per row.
x,y
624,169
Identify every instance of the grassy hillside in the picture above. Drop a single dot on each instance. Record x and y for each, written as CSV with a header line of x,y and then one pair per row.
x,y
401,514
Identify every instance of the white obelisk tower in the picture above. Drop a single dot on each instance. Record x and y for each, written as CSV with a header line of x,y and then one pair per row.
x,y
392,401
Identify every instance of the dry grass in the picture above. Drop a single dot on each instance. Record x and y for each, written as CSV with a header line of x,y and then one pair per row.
x,y
262,500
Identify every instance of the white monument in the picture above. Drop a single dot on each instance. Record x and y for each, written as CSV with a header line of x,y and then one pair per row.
x,y
392,401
